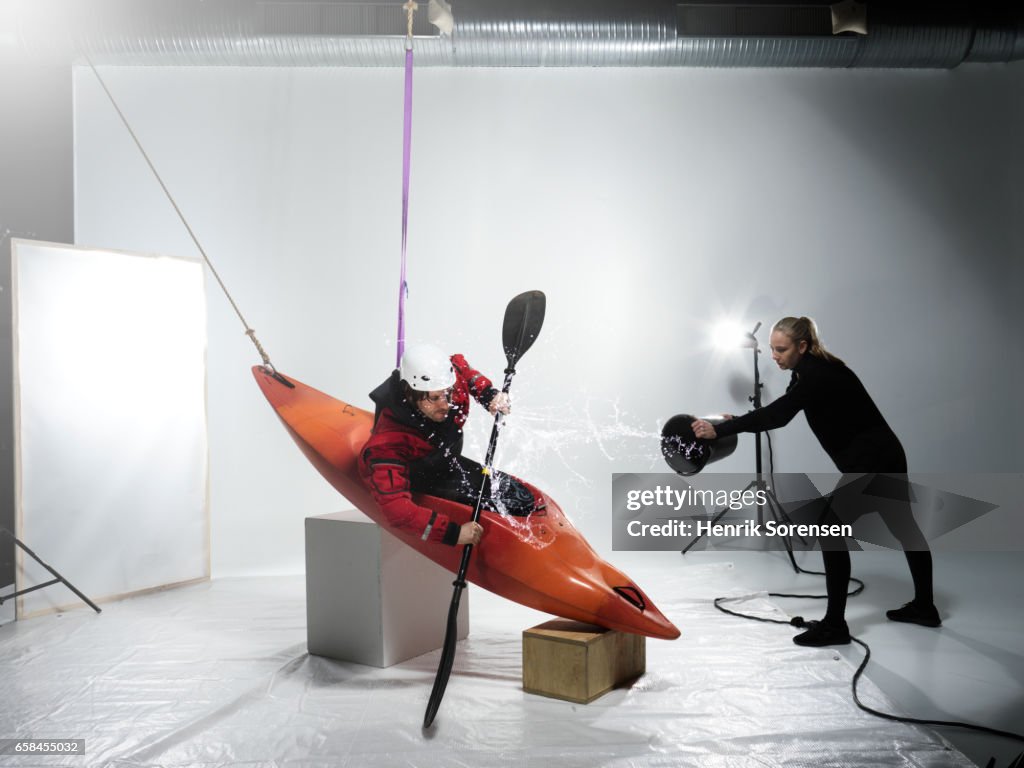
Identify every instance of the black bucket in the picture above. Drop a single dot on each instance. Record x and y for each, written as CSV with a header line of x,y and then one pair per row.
x,y
686,453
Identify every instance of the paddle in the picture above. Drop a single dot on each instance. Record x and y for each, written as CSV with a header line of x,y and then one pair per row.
x,y
524,316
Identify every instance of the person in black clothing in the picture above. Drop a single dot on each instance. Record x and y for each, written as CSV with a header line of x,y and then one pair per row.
x,y
857,438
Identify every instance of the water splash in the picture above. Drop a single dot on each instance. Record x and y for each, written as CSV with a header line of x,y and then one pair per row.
x,y
571,449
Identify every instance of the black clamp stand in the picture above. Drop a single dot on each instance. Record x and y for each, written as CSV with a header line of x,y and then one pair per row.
x,y
758,483
58,578
778,514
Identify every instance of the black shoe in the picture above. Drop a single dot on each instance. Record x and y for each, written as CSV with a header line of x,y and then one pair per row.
x,y
912,613
821,634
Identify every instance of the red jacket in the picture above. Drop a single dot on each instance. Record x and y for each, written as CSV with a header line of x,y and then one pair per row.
x,y
401,436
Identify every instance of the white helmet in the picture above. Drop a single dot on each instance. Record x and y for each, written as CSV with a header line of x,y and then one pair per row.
x,y
426,368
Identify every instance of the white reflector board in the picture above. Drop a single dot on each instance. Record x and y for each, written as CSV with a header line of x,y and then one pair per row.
x,y
110,421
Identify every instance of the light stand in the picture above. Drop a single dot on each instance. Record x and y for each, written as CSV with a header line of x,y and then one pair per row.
x,y
755,399
758,483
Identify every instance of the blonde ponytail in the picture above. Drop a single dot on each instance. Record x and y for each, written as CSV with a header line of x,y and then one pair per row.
x,y
804,329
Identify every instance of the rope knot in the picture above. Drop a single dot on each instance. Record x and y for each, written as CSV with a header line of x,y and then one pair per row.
x,y
251,333
410,9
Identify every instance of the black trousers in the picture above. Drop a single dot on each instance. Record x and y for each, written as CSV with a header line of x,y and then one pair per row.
x,y
459,479
897,515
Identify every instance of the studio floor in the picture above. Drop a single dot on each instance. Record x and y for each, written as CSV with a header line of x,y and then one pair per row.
x,y
217,674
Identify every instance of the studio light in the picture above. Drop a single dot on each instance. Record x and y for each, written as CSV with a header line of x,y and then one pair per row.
x,y
687,454
729,334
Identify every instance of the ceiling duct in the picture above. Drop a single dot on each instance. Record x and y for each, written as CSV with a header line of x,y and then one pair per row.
x,y
530,33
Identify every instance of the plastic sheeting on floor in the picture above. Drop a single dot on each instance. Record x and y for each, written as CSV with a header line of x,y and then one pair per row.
x,y
217,675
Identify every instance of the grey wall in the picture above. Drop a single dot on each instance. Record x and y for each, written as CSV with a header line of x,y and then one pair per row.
x,y
645,203
36,201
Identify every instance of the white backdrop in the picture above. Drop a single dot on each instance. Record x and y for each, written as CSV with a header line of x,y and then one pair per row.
x,y
110,417
646,203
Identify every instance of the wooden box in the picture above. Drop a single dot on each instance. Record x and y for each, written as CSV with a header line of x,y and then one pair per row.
x,y
578,662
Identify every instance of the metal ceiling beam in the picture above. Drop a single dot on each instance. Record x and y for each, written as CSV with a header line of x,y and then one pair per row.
x,y
528,33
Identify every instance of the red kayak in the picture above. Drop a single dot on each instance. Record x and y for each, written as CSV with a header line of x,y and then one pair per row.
x,y
540,560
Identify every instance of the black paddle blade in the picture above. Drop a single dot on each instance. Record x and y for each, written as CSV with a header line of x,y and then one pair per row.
x,y
524,317
444,668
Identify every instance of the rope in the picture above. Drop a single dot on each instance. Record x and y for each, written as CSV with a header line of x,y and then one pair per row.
x,y
250,332
403,287
410,9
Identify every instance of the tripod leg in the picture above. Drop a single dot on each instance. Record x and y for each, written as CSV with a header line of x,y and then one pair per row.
x,y
60,578
715,519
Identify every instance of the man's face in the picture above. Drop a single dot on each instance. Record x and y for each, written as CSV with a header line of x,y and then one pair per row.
x,y
435,405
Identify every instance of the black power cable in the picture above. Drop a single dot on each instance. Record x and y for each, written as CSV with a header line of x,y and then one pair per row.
x,y
798,621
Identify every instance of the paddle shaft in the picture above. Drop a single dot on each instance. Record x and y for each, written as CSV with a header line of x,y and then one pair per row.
x,y
524,316
491,446
444,669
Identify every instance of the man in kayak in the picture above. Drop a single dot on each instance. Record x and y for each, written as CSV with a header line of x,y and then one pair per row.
x,y
416,446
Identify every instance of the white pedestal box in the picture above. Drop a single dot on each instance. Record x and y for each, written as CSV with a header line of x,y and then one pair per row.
x,y
370,599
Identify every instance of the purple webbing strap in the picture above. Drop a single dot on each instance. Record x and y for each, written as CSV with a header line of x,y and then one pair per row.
x,y
403,288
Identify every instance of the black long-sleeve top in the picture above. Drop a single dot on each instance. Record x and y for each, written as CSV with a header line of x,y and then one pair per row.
x,y
839,412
